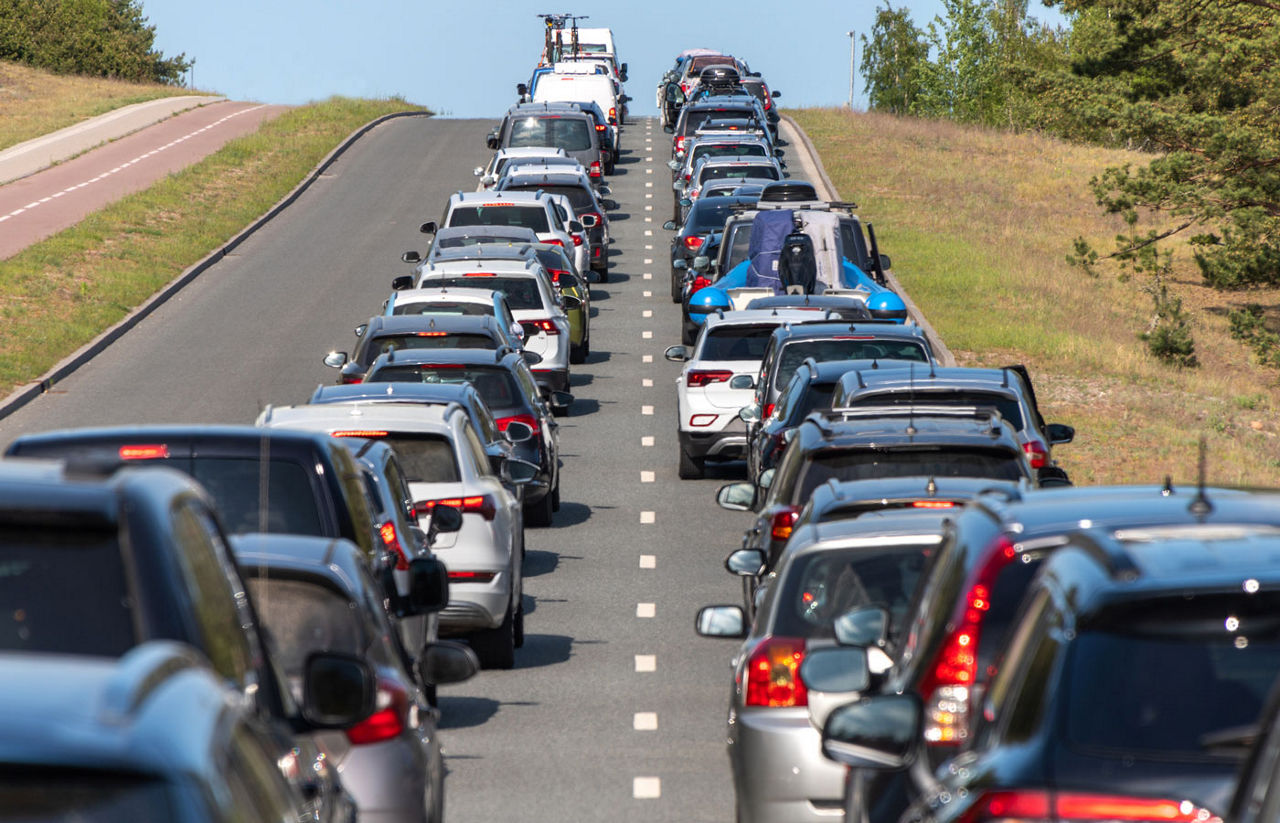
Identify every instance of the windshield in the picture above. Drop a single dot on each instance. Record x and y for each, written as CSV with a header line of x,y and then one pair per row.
x,y
1007,406
532,216
568,133
497,386
795,353
736,343
915,461
821,586
522,292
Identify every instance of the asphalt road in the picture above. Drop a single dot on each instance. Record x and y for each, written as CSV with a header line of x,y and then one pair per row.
x,y
616,710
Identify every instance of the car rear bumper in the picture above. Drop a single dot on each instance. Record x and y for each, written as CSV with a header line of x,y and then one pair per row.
x,y
779,772
555,379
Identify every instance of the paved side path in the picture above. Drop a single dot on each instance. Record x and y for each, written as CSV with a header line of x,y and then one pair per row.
x,y
49,201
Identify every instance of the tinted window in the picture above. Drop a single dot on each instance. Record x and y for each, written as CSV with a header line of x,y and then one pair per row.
x,y
444,307
1006,596
708,216
579,198
530,217
824,585
851,243
34,795
738,251
736,343
568,133
1008,407
64,590
795,353
256,781
728,150
287,504
497,386
816,398
425,458
306,617
426,340
873,464
522,292
737,173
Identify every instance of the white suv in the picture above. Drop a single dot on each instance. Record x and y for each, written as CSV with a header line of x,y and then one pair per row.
x,y
550,217
444,461
718,380
535,304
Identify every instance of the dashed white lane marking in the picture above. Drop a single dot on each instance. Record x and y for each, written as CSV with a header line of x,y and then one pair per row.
x,y
649,159
648,232
645,721
648,518
647,358
648,276
648,246
648,261
647,477
648,184
646,788
648,208
646,662
648,195
125,165
646,382
648,171
647,440
648,561
648,220
647,410
647,313
646,335
646,610
647,293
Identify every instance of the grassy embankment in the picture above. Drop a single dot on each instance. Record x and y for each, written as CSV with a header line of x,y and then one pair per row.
x,y
58,294
35,102
978,223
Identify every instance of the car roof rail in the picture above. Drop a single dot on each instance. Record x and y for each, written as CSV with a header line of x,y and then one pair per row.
x,y
138,674
1110,553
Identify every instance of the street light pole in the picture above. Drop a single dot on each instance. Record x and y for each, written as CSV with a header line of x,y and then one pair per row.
x,y
853,39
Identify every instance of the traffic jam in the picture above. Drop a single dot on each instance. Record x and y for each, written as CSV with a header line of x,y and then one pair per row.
x,y
934,624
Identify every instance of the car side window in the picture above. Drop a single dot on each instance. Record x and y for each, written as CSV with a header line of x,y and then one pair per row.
x,y
784,477
851,246
348,477
472,445
527,382
1013,702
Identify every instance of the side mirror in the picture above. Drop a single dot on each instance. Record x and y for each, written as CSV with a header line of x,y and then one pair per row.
x,y
428,585
885,262
518,432
777,152
1059,433
626,98
746,563
531,357
589,220
669,129
361,329
611,205
833,669
742,381
775,94
571,302
748,414
678,185
670,225
522,89
678,264
411,257
577,227
335,359
337,690
686,202
444,520
479,170
674,165
489,179
722,621
863,626
492,141
878,732
676,354
701,263
518,472
428,227
445,662
766,478
736,497
404,281
561,401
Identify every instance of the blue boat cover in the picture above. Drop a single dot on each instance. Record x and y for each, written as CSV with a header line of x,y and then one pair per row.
x,y
768,231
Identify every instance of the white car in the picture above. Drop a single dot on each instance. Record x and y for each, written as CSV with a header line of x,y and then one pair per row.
x,y
492,171
444,462
545,214
718,380
535,303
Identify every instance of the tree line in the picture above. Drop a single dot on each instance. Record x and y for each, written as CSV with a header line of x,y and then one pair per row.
x,y
1194,83
100,38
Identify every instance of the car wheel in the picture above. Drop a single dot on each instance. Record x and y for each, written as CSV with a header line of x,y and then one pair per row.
x,y
555,496
539,514
677,287
432,698
577,354
691,468
586,345
518,627
688,333
604,273
496,648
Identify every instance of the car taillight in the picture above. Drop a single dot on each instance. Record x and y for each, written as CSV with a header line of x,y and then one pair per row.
x,y
773,674
472,577
595,168
577,240
599,127
696,379
783,523
481,504
699,283
389,716
528,419
933,504
149,451
555,275
350,379
597,215
532,327
613,112
768,409
680,143
1036,453
693,242
555,241
947,682
1037,805
391,542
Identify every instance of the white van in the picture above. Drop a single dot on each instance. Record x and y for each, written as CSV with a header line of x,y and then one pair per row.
x,y
574,88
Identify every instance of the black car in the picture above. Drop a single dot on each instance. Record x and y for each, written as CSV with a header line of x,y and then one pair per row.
x,y
705,218
995,546
587,209
507,387
760,90
693,115
1135,657
407,332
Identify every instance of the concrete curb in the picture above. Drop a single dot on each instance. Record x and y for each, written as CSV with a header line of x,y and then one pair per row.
x,y
823,182
84,354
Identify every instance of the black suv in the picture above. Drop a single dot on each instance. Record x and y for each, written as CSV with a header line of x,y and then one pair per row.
x,y
407,332
1136,656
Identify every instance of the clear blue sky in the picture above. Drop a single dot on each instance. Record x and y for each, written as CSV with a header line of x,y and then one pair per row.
x,y
464,58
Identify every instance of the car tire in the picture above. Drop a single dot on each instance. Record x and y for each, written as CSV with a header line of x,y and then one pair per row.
x,y
604,273
517,628
677,287
555,496
539,514
577,354
688,333
433,699
691,468
496,648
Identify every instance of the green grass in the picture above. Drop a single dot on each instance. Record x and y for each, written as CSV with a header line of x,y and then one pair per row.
x,y
34,102
58,294
979,222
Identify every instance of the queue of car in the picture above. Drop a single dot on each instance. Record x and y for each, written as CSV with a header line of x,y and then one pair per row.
x,y
935,625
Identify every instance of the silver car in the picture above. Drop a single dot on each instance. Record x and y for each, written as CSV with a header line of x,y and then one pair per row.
x,y
775,720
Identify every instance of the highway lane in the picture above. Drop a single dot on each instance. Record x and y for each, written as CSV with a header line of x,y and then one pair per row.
x,y
568,734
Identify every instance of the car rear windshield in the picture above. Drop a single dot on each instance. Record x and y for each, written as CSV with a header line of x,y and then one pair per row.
x,y
522,292
796,352
530,216
929,461
697,64
496,385
461,241
821,586
708,216
1165,678
756,171
427,340
736,343
1007,406
568,133
236,485
444,307
36,795
817,397
425,458
579,198
727,150
64,590
303,618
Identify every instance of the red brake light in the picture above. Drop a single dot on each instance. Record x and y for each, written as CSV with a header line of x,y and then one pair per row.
x,y
599,127
768,409
1036,452
388,719
613,112
933,504
359,433
695,379
699,283
532,327
486,273
555,242
527,419
594,171
481,504
1030,805
784,523
473,577
773,673
432,333
702,420
350,379
693,242
679,142
577,240
151,451
391,540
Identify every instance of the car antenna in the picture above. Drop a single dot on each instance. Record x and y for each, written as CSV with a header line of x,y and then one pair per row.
x,y
1200,505
875,364
931,487
390,391
1167,488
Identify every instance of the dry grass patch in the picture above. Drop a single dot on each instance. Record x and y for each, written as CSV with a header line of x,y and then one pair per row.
x,y
979,223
